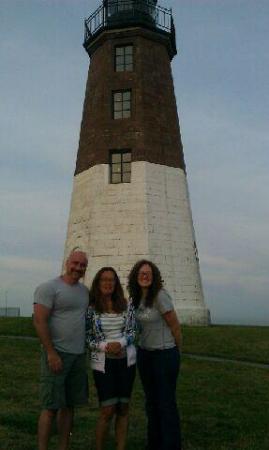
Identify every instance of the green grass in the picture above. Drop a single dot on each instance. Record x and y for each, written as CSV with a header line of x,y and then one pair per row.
x,y
16,326
223,406
235,342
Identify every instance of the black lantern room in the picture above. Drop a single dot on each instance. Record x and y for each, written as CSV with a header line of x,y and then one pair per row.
x,y
113,14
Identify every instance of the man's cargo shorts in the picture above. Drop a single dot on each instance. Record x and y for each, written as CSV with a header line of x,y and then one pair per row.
x,y
67,388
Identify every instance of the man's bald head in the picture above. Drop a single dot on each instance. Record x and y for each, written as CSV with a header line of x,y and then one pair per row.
x,y
76,265
77,254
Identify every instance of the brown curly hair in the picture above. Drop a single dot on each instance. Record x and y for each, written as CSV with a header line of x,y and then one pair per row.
x,y
134,288
96,299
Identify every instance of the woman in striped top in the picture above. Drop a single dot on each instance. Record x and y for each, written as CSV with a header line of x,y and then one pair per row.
x,y
110,333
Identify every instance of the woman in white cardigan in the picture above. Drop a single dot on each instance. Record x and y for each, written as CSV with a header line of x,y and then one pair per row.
x,y
110,333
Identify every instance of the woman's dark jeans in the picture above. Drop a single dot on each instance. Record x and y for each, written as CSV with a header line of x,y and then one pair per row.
x,y
158,371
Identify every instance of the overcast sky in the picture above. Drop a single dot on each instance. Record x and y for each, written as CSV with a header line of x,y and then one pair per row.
x,y
222,89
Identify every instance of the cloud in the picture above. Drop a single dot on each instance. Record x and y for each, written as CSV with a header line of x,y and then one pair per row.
x,y
222,91
33,223
19,277
23,266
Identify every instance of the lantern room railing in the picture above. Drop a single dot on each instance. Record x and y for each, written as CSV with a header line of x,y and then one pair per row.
x,y
123,13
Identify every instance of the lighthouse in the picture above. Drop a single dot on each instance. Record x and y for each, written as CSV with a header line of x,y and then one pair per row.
x,y
130,195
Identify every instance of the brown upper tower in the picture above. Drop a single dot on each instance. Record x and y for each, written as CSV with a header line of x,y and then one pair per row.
x,y
130,101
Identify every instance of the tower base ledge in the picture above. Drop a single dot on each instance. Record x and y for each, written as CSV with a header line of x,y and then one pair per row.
x,y
194,316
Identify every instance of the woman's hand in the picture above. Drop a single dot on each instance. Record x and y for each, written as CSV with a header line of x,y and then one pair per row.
x,y
114,348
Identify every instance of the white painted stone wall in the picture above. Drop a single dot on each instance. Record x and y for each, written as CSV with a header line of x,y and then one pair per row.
x,y
118,224
172,240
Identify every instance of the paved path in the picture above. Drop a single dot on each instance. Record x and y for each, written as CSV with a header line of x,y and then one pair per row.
x,y
187,355
226,360
26,338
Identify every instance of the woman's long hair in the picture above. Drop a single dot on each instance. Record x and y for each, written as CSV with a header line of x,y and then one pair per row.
x,y
135,290
96,298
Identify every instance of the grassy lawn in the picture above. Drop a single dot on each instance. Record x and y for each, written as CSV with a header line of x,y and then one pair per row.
x,y
235,342
223,406
16,326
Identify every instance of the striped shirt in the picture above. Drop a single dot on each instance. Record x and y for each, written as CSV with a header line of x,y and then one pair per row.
x,y
112,326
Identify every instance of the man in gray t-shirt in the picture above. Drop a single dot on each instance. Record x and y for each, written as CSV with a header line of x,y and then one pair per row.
x,y
59,318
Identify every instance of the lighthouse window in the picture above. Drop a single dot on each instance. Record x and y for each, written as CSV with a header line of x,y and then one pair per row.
x,y
122,104
120,167
124,58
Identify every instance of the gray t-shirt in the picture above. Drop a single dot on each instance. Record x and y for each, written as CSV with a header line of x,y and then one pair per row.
x,y
154,331
68,304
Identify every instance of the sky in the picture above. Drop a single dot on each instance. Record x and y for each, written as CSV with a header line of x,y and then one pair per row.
x,y
222,90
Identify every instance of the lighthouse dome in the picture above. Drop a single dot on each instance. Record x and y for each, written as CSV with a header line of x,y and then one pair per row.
x,y
127,11
119,14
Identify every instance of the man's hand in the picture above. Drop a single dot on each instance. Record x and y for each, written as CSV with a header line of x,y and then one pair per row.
x,y
54,361
114,348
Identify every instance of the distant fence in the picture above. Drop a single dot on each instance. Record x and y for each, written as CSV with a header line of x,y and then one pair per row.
x,y
10,312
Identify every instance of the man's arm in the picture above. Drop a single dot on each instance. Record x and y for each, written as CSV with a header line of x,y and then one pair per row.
x,y
41,317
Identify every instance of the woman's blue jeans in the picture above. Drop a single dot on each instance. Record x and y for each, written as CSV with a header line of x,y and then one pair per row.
x,y
159,371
